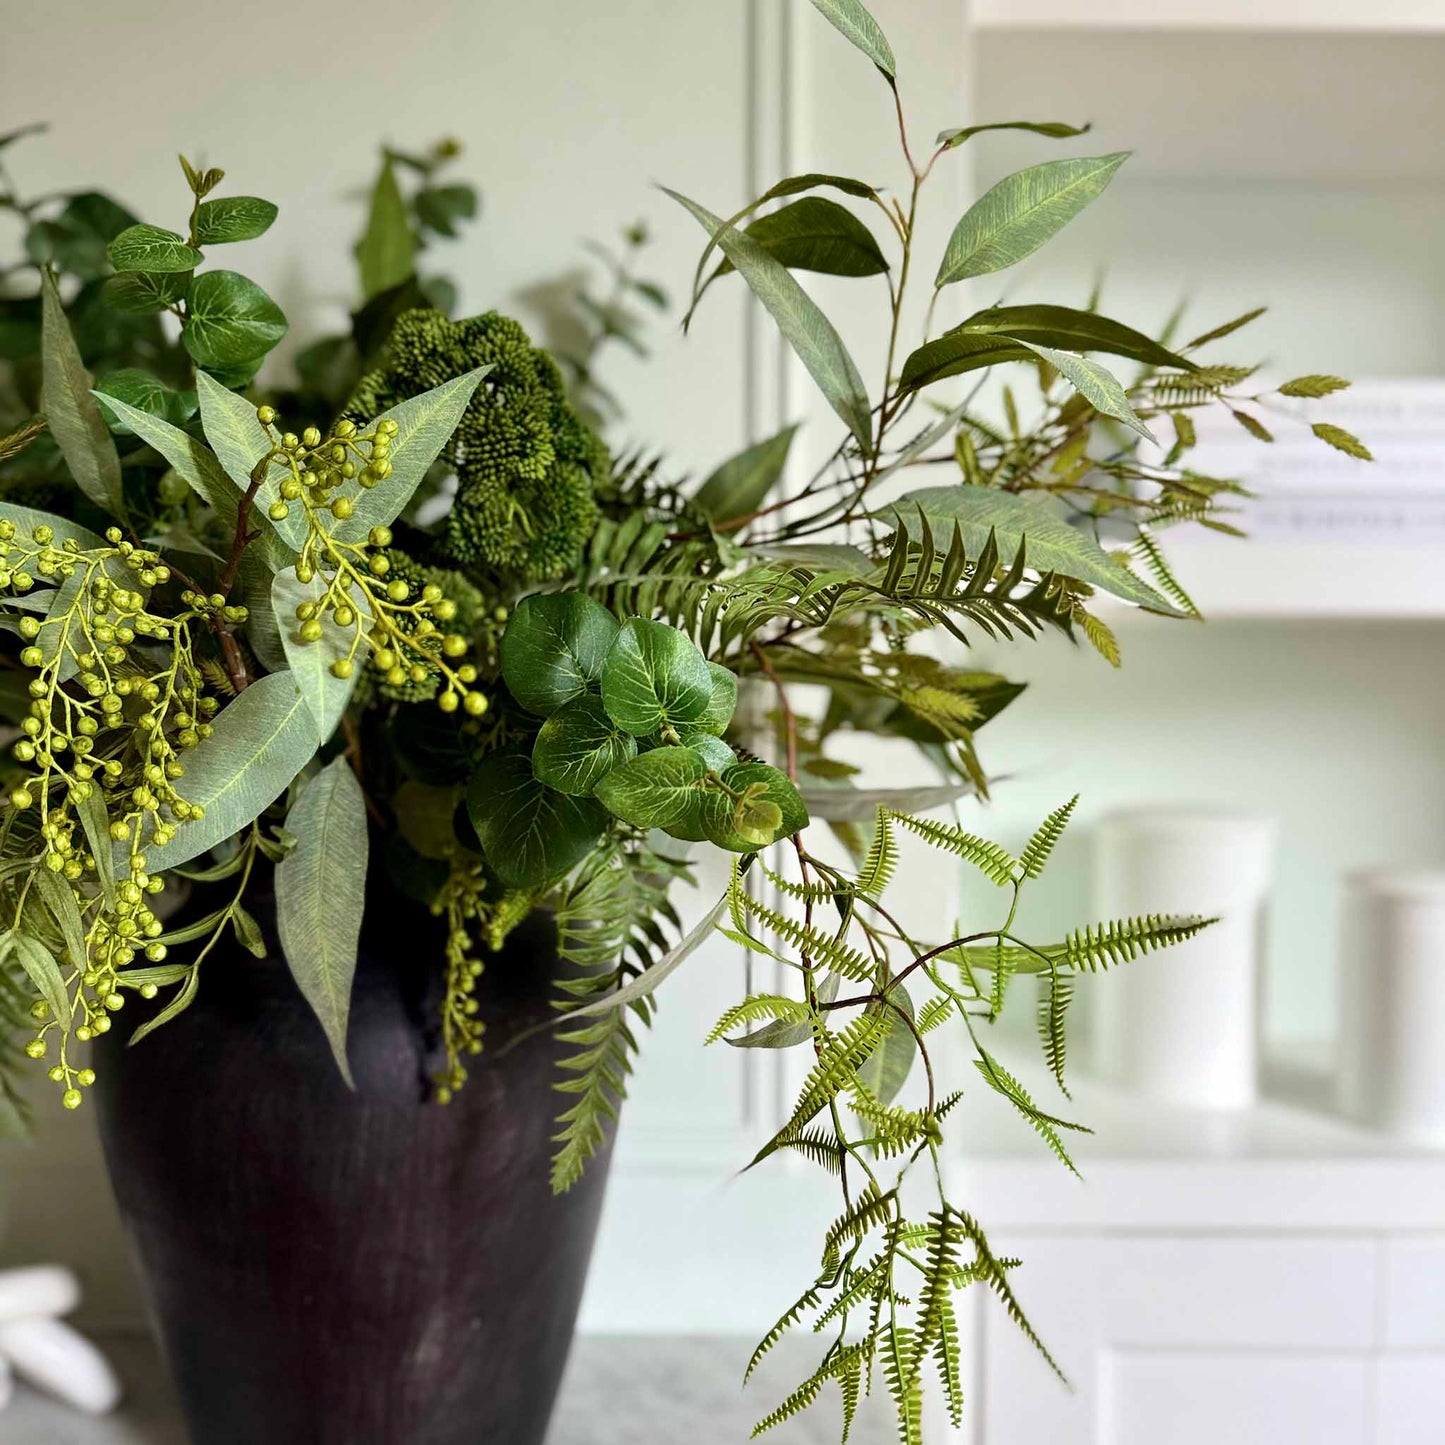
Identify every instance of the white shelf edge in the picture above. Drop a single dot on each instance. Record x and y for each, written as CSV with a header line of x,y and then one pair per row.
x,y
1328,17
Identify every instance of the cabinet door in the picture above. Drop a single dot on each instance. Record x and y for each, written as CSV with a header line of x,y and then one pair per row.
x,y
1190,1340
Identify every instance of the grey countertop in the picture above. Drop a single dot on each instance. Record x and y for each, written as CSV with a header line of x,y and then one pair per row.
x,y
619,1390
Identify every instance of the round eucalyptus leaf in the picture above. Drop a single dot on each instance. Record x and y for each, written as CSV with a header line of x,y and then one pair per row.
x,y
554,648
722,704
230,320
654,677
233,218
149,248
530,834
742,827
578,746
141,293
718,756
656,789
148,394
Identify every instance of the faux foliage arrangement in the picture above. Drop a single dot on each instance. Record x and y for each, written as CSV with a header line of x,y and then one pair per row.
x,y
240,648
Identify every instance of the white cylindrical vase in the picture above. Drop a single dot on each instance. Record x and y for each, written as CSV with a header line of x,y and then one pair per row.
x,y
1392,1054
1182,1025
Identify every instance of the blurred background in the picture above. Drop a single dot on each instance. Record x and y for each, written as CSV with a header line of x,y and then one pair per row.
x,y
1265,1260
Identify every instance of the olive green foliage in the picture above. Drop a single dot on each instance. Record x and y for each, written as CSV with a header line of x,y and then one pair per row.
x,y
526,464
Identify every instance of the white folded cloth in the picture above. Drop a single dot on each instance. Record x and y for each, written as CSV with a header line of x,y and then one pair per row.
x,y
35,1346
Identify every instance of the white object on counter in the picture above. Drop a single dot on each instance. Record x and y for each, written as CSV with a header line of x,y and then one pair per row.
x,y
44,1290
55,1358
1392,1073
1181,1026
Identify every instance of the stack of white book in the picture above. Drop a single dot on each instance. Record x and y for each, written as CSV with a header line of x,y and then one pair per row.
x,y
1303,487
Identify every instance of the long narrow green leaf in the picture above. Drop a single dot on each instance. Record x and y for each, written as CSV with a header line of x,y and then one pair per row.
x,y
1073,330
320,897
1014,218
851,19
739,486
811,335
311,662
1096,384
386,252
74,418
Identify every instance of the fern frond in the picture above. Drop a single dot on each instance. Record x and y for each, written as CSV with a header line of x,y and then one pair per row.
x,y
795,1404
821,1148
1055,997
878,867
872,1211
937,1011
758,1008
1047,1126
905,1388
1147,551
1091,949
1099,634
1041,845
807,1301
820,948
993,861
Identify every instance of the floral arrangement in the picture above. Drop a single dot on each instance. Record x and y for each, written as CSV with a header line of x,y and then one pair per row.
x,y
245,635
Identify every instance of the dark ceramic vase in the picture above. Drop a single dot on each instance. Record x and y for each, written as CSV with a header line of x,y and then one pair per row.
x,y
330,1268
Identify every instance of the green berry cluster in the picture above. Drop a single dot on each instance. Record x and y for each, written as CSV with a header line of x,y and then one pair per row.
x,y
321,466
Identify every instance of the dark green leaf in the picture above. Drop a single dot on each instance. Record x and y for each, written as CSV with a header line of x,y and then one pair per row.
x,y
233,218
386,251
1055,129
1072,330
656,789
43,972
248,932
230,320
139,293
810,334
531,834
1228,329
1095,383
723,702
149,248
148,394
578,746
718,756
1015,217
771,787
439,208
321,895
1050,544
816,234
851,19
654,677
738,487
75,419
956,352
554,649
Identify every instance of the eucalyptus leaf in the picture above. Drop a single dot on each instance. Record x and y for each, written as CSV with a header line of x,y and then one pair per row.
x,y
1049,542
722,703
184,998
424,818
424,425
27,519
804,327
75,420
248,932
149,248
578,746
262,740
886,1069
730,828
233,218
1095,383
146,393
59,897
780,1034
1072,330
230,320
1055,129
657,789
240,442
654,677
43,972
95,821
718,756
530,834
311,662
386,251
555,647
1014,218
739,486
142,293
851,19
321,897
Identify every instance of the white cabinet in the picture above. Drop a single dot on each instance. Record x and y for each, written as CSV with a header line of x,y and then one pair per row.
x,y
1260,1278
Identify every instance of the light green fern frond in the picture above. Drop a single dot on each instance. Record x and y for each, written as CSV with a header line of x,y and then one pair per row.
x,y
1041,845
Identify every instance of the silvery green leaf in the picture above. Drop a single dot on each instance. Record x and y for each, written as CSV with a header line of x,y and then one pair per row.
x,y
1055,129
95,820
190,459
886,1069
860,805
59,638
1096,384
263,629
737,487
851,19
648,982
811,335
59,897
43,972
75,420
183,999
321,896
780,1034
261,741
310,662
1014,218
1049,542
424,425
239,442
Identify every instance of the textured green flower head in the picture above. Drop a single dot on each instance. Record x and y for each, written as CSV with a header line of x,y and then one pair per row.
x,y
634,716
